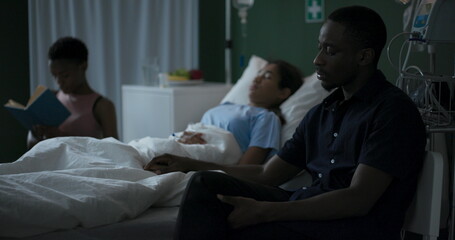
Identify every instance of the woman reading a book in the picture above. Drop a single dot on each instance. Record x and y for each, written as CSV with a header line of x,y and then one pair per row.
x,y
91,114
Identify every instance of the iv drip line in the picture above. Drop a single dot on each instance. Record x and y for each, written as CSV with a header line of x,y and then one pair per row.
x,y
244,45
243,6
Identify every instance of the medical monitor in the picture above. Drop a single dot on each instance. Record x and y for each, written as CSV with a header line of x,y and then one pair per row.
x,y
434,21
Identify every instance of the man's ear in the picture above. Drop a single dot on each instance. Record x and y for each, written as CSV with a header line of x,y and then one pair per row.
x,y
366,56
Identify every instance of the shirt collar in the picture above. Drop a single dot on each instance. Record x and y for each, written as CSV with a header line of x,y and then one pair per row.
x,y
367,93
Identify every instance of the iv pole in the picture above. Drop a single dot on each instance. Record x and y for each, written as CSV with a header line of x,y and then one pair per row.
x,y
228,44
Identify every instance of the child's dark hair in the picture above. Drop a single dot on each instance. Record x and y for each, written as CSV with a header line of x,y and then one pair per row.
x,y
68,48
291,77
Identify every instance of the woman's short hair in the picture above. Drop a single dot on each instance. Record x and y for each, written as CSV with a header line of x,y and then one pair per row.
x,y
68,48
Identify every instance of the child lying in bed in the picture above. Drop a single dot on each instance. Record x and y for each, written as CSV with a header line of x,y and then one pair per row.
x,y
256,126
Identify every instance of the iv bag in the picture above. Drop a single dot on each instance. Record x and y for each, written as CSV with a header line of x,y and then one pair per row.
x,y
243,6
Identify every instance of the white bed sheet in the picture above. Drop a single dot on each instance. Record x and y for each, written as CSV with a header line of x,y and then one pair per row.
x,y
157,223
66,182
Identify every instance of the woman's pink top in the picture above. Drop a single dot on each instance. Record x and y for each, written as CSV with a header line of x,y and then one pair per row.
x,y
81,122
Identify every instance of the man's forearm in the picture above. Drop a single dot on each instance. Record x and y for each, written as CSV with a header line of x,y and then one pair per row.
x,y
367,186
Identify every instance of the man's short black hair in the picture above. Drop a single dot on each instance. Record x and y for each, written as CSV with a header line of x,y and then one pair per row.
x,y
68,48
364,25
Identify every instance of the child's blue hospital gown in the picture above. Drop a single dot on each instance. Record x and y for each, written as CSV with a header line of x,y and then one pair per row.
x,y
251,126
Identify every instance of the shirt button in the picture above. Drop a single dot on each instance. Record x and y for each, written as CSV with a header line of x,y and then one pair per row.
x,y
335,134
332,161
333,109
320,175
304,188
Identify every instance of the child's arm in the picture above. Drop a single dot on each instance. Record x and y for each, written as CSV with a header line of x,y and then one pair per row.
x,y
105,115
254,155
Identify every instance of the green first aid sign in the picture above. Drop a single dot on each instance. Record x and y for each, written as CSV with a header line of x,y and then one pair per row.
x,y
314,11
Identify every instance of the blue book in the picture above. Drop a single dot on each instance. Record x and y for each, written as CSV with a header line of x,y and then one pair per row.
x,y
43,108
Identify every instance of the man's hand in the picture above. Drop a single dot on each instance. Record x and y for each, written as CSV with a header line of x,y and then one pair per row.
x,y
170,163
191,138
247,211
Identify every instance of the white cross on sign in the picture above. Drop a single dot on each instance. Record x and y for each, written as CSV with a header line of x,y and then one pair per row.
x,y
314,11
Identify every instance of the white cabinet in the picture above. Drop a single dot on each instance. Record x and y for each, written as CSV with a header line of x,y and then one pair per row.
x,y
158,112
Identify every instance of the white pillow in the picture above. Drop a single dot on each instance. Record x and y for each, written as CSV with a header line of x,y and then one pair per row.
x,y
293,109
239,92
296,106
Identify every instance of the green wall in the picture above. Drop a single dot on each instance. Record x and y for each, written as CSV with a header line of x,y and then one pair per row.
x,y
15,75
277,30
211,39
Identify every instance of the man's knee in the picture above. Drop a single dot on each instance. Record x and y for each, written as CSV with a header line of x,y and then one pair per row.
x,y
212,181
204,185
198,176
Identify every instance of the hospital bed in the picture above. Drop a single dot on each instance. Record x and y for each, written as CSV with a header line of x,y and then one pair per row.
x,y
141,212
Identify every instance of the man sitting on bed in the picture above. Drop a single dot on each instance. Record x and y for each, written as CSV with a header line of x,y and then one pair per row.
x,y
363,145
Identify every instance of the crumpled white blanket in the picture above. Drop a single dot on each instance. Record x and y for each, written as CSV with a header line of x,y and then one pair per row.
x,y
67,182
221,145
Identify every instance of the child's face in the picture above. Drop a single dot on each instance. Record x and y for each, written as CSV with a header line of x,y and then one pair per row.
x,y
68,74
265,90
